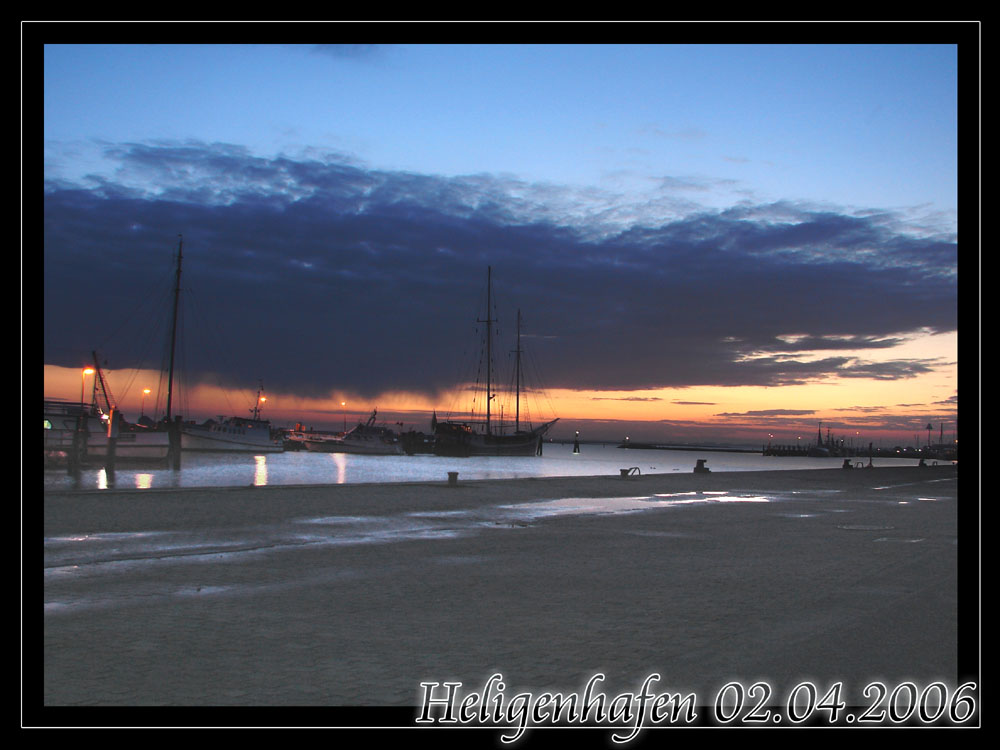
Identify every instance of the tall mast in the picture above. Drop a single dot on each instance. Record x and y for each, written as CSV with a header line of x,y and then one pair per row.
x,y
517,377
489,344
173,328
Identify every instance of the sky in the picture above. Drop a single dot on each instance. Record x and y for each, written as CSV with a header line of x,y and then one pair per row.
x,y
731,243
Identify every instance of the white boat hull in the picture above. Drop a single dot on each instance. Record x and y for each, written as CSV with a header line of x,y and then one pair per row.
x,y
233,438
373,447
130,444
152,446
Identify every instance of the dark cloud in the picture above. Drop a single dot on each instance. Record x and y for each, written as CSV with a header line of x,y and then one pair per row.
x,y
319,273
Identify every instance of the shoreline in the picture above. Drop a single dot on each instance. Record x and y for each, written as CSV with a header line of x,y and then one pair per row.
x,y
61,503
62,507
840,575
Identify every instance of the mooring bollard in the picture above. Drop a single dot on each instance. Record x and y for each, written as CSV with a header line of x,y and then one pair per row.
x,y
453,478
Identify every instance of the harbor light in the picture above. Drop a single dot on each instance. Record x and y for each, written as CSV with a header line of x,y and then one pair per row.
x,y
83,379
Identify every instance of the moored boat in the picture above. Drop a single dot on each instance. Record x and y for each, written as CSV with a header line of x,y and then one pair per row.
x,y
226,434
232,434
294,439
77,432
453,438
488,436
73,428
367,438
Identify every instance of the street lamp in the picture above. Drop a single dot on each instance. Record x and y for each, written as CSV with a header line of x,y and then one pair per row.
x,y
343,409
142,408
83,379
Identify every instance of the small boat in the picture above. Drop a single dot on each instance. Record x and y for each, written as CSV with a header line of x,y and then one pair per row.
x,y
416,443
232,434
66,422
367,438
294,439
487,436
76,431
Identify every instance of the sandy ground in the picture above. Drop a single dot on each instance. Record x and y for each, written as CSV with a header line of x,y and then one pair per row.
x,y
820,576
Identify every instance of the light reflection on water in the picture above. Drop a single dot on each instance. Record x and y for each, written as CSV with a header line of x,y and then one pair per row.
x,y
591,505
260,471
304,467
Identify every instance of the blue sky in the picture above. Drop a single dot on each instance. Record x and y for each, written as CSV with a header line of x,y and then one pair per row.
x,y
838,123
670,217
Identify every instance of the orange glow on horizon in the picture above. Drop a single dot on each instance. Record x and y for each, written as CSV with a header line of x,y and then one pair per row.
x,y
854,408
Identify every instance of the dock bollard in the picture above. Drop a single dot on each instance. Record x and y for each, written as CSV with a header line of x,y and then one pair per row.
x,y
453,478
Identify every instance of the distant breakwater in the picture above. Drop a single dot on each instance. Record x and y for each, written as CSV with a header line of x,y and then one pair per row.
x,y
657,447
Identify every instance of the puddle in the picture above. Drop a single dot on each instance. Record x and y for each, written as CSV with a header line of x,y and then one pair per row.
x,y
863,527
610,505
902,541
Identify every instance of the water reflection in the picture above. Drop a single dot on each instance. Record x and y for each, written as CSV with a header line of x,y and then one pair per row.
x,y
306,467
340,460
259,471
592,505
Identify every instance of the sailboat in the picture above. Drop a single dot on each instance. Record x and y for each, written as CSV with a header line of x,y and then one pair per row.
x,y
88,431
230,434
488,437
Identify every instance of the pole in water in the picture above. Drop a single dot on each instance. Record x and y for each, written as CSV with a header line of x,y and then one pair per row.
x,y
174,443
110,455
78,448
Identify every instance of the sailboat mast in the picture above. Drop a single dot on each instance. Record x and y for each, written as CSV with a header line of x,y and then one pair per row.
x,y
489,344
517,377
173,329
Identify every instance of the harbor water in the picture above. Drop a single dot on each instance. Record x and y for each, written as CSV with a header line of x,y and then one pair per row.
x,y
309,468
